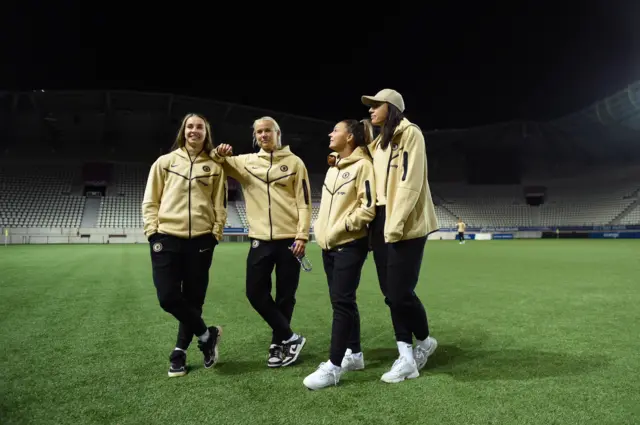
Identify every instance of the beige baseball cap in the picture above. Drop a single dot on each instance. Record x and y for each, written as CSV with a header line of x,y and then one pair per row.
x,y
385,95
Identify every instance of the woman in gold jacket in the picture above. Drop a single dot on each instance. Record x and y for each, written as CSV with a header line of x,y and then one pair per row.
x,y
405,216
184,211
346,209
275,184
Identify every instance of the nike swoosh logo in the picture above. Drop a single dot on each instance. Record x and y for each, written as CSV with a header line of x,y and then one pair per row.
x,y
203,250
174,165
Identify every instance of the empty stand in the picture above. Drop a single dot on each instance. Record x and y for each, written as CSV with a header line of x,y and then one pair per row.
x,y
233,216
585,202
120,212
480,206
122,207
633,216
316,181
39,196
49,196
242,213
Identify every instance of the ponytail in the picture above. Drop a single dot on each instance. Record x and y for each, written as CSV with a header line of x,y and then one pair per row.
x,y
362,132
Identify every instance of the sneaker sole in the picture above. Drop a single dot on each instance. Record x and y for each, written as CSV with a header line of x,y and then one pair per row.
x,y
317,388
176,374
274,365
215,349
398,380
293,360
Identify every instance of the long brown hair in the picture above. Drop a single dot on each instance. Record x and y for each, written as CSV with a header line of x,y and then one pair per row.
x,y
393,119
181,141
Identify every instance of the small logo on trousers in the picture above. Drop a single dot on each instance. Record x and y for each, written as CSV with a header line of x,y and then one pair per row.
x,y
157,247
255,243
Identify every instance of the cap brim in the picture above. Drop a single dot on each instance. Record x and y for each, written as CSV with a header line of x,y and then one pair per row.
x,y
370,100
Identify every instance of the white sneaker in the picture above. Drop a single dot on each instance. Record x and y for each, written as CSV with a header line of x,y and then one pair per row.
x,y
421,354
351,362
402,369
325,376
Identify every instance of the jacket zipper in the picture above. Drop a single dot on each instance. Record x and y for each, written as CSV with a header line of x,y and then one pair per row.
x,y
190,172
333,193
269,198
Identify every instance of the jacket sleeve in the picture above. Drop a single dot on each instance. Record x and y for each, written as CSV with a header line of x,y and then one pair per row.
x,y
413,163
152,197
303,201
365,210
219,198
234,166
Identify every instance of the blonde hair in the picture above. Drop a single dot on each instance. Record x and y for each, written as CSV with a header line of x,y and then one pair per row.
x,y
181,141
275,126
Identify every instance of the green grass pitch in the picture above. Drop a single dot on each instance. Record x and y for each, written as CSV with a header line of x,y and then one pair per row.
x,y
530,332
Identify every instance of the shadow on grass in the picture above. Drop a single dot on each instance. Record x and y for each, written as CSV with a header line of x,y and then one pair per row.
x,y
468,361
510,364
240,367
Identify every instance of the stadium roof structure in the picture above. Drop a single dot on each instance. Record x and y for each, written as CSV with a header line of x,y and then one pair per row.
x,y
146,119
119,120
607,129
610,126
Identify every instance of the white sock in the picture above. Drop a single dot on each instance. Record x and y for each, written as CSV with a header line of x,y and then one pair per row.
x,y
348,352
204,337
406,350
334,367
293,338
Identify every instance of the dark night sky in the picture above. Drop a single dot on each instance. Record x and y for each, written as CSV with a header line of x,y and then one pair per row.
x,y
456,65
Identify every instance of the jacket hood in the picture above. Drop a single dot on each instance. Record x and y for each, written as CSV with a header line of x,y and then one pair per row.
x,y
358,154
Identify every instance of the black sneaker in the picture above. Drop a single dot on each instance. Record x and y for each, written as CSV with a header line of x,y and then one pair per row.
x,y
178,359
275,356
292,350
210,348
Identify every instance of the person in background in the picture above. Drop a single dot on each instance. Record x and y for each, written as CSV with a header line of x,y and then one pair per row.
x,y
346,209
405,216
184,211
461,226
275,184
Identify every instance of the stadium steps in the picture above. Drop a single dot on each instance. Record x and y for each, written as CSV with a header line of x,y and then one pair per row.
x,y
536,216
448,212
90,213
625,212
233,216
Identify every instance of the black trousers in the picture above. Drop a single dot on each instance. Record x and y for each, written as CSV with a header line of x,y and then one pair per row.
x,y
461,236
263,257
181,277
398,266
343,267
